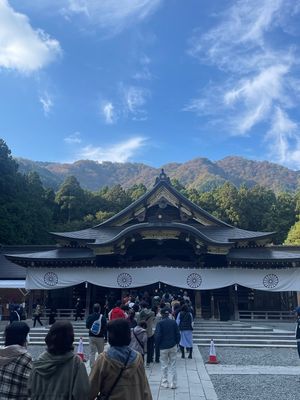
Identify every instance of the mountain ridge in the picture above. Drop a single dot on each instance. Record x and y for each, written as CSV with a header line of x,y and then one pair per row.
x,y
199,173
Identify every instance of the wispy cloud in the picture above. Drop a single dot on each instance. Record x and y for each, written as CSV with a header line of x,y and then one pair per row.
x,y
259,76
108,112
119,152
112,15
283,139
47,102
144,72
134,101
74,138
21,47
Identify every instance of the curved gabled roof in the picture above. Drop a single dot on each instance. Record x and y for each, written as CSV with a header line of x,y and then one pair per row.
x,y
209,234
217,232
162,181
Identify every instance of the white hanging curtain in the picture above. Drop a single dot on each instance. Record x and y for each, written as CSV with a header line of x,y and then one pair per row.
x,y
274,280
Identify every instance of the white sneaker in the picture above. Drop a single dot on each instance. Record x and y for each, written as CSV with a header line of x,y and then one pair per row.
x,y
164,384
173,386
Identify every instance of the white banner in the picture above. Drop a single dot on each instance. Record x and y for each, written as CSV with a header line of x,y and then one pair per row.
x,y
276,280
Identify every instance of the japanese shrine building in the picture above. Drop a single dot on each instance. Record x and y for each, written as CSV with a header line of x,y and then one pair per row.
x,y
165,239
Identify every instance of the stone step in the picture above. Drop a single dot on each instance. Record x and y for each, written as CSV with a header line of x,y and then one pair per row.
x,y
245,342
233,337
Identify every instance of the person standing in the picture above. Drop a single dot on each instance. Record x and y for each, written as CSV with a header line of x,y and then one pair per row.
x,y
185,324
167,337
15,362
58,373
37,315
116,312
139,338
96,324
119,372
148,316
78,309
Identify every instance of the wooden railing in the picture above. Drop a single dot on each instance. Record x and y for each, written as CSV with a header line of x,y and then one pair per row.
x,y
267,315
62,313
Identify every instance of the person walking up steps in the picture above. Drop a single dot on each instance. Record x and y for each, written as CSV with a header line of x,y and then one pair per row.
x,y
96,324
185,323
167,337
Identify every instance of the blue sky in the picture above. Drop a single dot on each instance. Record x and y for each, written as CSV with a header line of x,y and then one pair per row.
x,y
150,81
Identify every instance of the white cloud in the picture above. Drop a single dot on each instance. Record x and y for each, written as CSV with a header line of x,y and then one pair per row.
x,y
114,15
134,99
259,83
108,112
284,140
21,47
47,102
119,152
144,72
74,138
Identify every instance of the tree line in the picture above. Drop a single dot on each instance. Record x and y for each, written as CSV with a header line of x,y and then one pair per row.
x,y
28,211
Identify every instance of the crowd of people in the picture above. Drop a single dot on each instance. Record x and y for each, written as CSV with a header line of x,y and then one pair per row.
x,y
138,333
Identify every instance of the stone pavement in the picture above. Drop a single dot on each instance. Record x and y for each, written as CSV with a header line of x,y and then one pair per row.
x,y
193,380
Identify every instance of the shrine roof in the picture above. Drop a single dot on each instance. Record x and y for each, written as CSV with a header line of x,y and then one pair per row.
x,y
10,270
62,253
211,234
270,253
162,181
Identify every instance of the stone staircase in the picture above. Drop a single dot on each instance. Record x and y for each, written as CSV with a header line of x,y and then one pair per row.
x,y
37,334
231,333
241,334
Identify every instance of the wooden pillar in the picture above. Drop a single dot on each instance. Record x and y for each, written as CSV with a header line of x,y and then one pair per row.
x,y
198,303
298,298
30,304
235,303
212,305
88,292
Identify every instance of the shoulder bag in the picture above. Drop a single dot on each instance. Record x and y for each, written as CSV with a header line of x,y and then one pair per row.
x,y
139,342
106,396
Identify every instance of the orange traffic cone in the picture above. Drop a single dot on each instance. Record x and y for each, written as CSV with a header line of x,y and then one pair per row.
x,y
212,354
80,349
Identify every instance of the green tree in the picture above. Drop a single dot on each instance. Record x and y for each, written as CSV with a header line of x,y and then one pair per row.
x,y
70,198
136,191
293,237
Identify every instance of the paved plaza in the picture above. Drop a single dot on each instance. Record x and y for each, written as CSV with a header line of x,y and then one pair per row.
x,y
265,373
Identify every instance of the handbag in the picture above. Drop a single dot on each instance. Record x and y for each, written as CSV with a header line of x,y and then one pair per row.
x,y
106,396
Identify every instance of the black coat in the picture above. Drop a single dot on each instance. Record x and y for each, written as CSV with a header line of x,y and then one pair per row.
x,y
186,320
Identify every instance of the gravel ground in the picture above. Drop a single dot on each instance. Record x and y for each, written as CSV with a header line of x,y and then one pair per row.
x,y
254,356
256,387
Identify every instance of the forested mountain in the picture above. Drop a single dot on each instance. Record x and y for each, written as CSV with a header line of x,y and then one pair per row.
x,y
200,173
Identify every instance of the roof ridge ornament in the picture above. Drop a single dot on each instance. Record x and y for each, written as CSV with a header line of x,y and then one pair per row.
x,y
162,177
